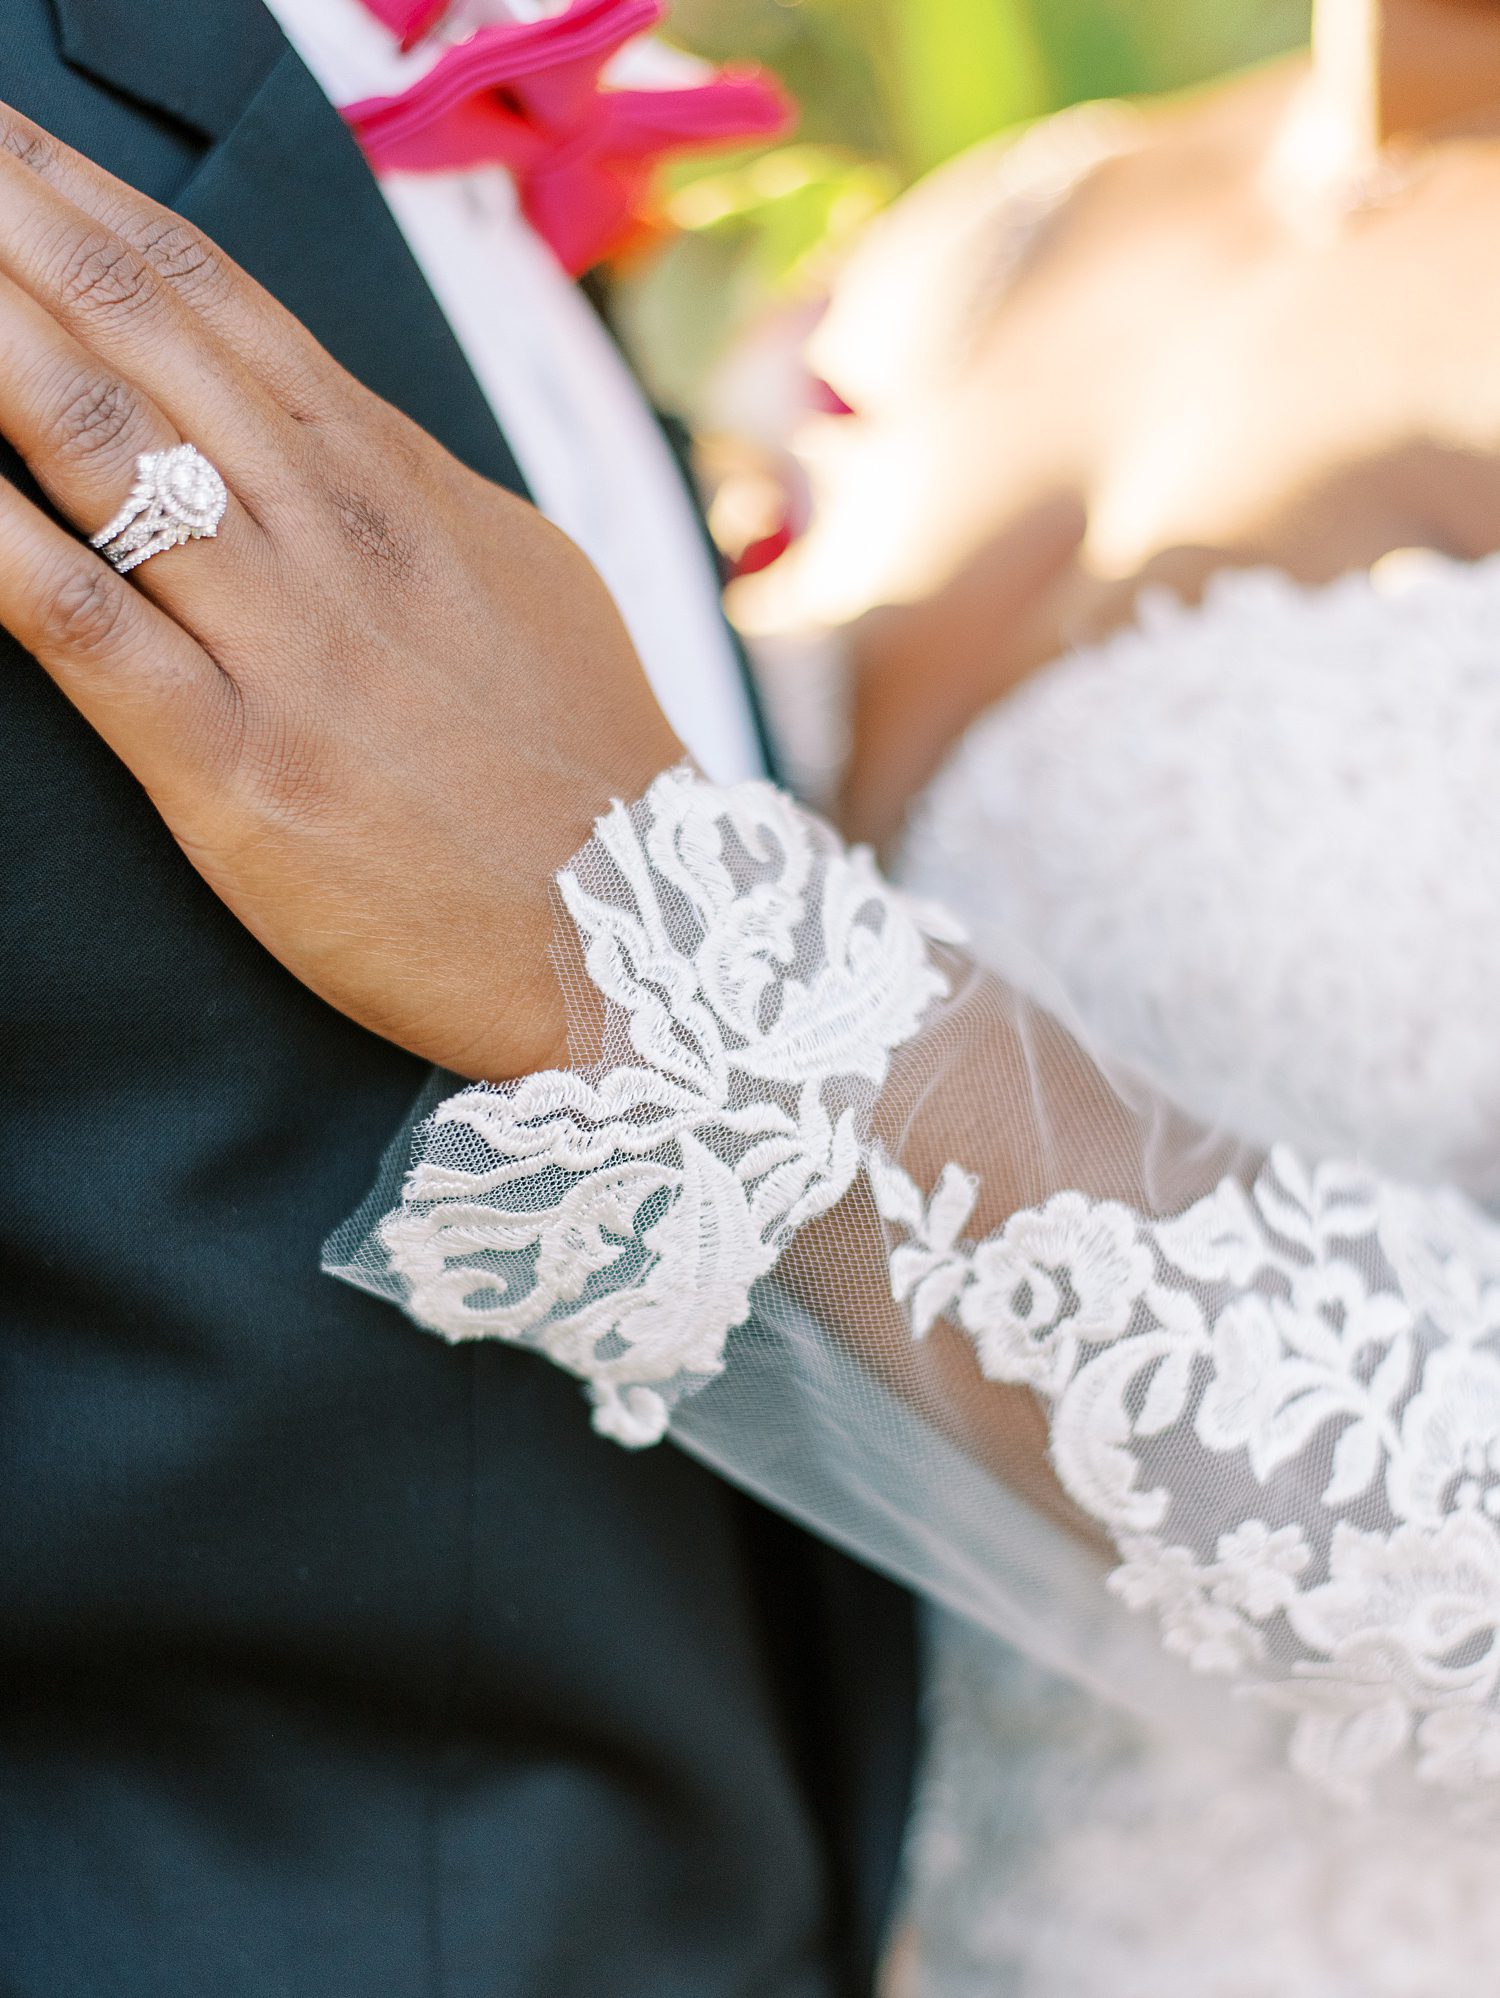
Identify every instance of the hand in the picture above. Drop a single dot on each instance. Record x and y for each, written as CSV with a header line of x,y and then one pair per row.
x,y
385,704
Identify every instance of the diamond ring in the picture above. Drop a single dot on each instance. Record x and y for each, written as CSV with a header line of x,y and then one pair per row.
x,y
177,497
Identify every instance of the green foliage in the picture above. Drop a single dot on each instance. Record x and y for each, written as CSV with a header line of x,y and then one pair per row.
x,y
762,229
957,70
889,89
910,82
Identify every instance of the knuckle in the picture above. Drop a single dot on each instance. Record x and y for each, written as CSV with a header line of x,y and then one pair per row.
x,y
316,395
325,397
371,536
177,252
98,413
85,611
25,143
97,272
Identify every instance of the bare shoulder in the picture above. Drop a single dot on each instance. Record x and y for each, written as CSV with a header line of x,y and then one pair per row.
x,y
1195,148
960,245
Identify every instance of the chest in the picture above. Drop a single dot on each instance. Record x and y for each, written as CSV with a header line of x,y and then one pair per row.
x,y
1314,396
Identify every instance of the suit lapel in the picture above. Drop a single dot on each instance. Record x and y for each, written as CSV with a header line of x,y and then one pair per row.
x,y
284,189
199,63
288,194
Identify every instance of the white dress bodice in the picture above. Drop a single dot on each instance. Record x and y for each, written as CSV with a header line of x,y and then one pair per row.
x,y
1257,844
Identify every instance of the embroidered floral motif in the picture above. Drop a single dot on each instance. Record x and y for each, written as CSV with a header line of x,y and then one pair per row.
x,y
1304,1328
1283,1404
1256,844
1255,841
762,975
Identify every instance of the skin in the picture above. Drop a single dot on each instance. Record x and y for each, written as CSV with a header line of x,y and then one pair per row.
x,y
1208,362
357,708
359,711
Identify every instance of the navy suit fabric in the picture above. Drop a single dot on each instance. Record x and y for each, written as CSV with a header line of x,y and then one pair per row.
x,y
335,1663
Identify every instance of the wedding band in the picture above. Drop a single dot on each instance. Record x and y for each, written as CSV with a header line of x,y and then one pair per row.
x,y
177,497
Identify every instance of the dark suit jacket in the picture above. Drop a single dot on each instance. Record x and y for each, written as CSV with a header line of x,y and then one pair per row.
x,y
335,1663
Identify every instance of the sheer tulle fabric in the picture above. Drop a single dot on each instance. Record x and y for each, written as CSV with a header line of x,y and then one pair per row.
x,y
873,1233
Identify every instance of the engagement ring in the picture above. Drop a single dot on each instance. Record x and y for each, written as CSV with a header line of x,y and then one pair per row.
x,y
177,497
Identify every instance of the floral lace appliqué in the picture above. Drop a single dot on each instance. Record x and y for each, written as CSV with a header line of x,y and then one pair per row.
x,y
760,976
1333,1333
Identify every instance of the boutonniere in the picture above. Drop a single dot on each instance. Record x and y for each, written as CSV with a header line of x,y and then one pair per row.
x,y
570,102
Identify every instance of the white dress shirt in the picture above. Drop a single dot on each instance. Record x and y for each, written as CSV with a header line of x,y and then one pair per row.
x,y
576,423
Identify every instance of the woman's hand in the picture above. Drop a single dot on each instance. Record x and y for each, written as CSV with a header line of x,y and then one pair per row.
x,y
385,704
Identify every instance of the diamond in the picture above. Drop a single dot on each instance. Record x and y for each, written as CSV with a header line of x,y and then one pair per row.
x,y
178,496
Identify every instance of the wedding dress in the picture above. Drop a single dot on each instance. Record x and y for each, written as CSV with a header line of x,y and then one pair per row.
x,y
1130,1284
1259,845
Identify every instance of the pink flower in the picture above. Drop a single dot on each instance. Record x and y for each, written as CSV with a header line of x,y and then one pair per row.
x,y
410,19
530,95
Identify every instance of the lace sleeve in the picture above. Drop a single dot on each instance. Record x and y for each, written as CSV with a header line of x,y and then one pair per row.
x,y
872,1233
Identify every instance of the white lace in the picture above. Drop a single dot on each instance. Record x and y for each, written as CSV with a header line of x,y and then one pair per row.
x,y
761,976
1332,1332
1258,845
1284,1405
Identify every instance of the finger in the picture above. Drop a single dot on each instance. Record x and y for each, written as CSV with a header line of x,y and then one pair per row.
x,y
105,293
80,427
153,694
257,329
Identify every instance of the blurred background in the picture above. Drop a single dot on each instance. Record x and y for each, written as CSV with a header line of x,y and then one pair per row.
x,y
888,90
